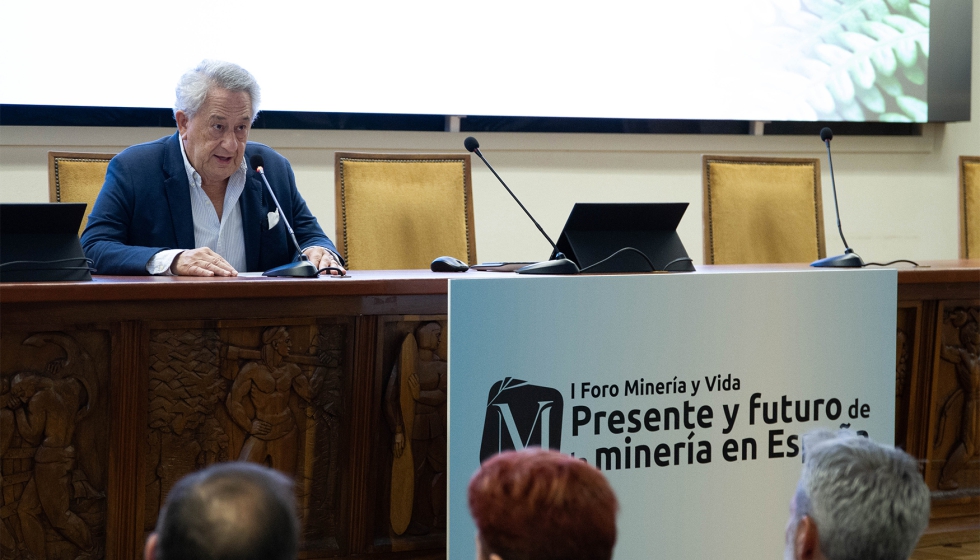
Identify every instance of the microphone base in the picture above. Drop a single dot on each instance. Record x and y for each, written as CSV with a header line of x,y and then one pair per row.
x,y
301,269
556,266
849,259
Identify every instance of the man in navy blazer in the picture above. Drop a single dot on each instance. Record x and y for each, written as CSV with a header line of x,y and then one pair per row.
x,y
188,204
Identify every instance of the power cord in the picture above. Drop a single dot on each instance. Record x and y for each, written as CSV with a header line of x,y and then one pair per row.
x,y
642,254
913,263
340,273
32,265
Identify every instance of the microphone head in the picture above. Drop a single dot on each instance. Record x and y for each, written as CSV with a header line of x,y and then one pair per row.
x,y
826,134
471,144
256,161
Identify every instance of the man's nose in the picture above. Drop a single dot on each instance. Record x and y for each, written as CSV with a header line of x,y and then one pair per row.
x,y
230,141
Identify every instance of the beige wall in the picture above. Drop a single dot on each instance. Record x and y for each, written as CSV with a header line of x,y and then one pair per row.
x,y
898,195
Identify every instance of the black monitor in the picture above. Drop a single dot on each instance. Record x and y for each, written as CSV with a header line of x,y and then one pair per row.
x,y
39,243
595,231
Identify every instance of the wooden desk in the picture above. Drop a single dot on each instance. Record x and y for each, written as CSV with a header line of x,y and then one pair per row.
x,y
148,372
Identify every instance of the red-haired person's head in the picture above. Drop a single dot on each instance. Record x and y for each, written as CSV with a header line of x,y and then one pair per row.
x,y
539,504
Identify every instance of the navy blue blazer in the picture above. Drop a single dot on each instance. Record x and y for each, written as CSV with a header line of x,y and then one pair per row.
x,y
144,207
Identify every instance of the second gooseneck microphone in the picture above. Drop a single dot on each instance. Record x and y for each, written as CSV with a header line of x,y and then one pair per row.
x,y
849,259
558,264
302,269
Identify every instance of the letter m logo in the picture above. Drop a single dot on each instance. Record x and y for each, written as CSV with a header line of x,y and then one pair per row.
x,y
521,415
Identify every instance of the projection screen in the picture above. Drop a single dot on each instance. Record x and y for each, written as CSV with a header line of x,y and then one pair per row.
x,y
766,60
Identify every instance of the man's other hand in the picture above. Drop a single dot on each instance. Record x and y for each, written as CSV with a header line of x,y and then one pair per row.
x,y
201,262
323,259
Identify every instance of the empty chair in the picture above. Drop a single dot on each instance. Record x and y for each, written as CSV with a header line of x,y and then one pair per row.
x,y
76,177
969,207
762,210
401,211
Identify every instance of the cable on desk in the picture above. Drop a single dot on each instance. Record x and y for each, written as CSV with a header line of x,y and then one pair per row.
x,y
45,265
593,265
340,273
642,254
913,263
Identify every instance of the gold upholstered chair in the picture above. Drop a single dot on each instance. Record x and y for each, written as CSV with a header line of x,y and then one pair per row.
x,y
400,211
969,207
76,177
762,210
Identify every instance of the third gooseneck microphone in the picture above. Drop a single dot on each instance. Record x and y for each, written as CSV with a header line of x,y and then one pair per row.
x,y
849,259
827,135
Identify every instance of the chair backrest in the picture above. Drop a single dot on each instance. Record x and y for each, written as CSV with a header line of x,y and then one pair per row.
x,y
969,207
762,210
400,211
76,177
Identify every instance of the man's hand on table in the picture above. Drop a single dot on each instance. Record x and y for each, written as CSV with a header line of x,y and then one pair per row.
x,y
201,262
323,259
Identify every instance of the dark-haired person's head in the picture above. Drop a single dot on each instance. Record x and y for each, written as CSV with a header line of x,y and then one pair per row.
x,y
539,504
856,500
228,511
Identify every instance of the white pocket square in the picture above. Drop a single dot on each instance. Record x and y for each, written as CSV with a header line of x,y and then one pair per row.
x,y
273,218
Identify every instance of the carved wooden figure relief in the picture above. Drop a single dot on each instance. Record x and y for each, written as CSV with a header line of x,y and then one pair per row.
x,y
415,408
270,395
959,346
52,445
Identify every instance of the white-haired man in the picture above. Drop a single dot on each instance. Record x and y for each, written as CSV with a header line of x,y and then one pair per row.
x,y
188,204
856,500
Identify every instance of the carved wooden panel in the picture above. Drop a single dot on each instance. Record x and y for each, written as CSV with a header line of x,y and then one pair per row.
x,y
53,445
168,352
907,339
411,450
267,393
953,454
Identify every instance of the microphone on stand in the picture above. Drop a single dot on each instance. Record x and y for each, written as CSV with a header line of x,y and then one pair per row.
x,y
558,263
302,269
849,259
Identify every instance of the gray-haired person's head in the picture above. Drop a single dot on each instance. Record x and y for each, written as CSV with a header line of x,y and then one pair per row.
x,y
229,511
868,501
194,85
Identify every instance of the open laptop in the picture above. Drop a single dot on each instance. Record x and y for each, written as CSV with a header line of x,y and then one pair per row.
x,y
39,242
595,231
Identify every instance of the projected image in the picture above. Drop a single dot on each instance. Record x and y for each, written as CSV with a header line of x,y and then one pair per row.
x,y
751,60
863,60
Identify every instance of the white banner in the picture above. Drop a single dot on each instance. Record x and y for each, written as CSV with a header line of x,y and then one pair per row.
x,y
689,391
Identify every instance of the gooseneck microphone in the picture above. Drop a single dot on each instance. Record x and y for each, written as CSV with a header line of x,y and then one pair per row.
x,y
827,135
558,264
302,269
472,145
849,259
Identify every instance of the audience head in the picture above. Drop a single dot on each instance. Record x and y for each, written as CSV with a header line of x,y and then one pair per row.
x,y
540,504
856,500
228,511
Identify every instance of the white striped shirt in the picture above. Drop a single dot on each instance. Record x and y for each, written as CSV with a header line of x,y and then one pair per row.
x,y
225,236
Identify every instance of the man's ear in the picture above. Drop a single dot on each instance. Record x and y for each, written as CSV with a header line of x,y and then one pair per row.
x,y
150,549
182,119
806,542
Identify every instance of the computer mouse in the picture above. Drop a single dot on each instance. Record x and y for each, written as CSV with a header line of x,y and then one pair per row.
x,y
448,264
